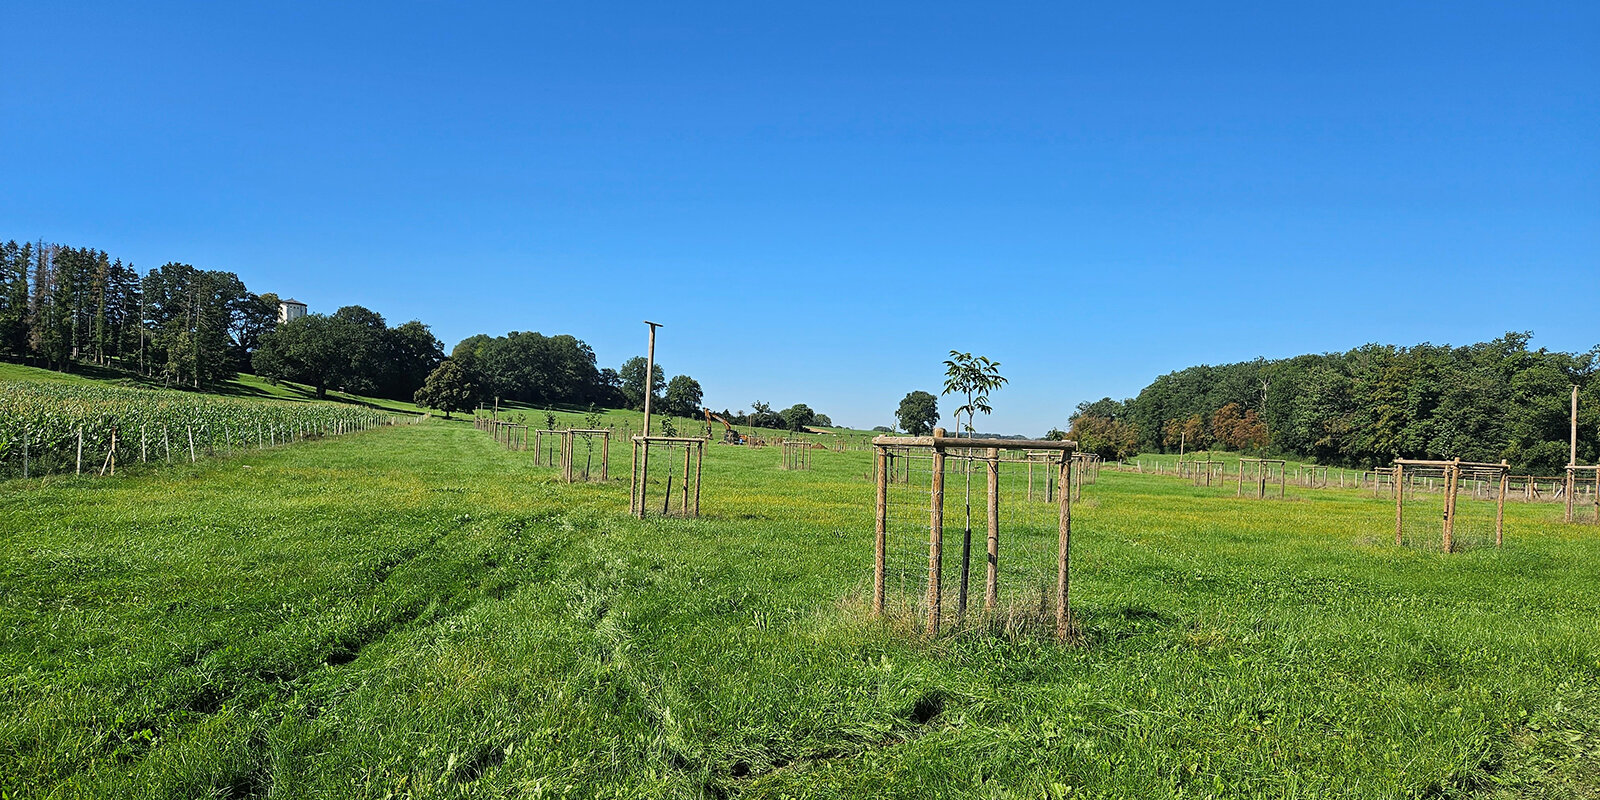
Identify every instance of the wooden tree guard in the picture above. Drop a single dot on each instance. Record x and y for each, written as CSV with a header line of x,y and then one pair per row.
x,y
1452,486
1205,470
1261,467
569,442
796,454
992,449
693,457
1572,490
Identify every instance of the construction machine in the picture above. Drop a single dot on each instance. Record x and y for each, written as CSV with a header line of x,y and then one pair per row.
x,y
729,435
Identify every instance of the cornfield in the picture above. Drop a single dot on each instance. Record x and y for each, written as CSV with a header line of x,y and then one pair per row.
x,y
51,428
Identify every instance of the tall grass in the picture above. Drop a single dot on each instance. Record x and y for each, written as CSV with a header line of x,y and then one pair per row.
x,y
416,611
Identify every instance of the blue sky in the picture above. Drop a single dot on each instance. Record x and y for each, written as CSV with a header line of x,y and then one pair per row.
x,y
819,202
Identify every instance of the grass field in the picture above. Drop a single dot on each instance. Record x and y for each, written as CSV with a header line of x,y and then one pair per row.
x,y
415,611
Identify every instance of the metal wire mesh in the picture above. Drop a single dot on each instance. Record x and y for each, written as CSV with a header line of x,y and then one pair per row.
x,y
1026,541
665,478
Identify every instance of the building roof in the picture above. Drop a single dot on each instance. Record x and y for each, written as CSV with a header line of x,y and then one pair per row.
x,y
291,301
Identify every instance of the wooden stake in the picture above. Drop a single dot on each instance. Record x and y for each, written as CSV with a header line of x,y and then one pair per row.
x,y
644,474
633,478
991,584
1500,505
1452,479
936,537
80,451
1063,550
880,534
699,464
1399,504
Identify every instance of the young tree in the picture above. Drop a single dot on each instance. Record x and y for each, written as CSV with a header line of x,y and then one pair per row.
x,y
448,388
973,377
918,413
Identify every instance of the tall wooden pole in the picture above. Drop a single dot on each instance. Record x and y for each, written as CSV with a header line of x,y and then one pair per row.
x,y
1572,455
649,380
649,376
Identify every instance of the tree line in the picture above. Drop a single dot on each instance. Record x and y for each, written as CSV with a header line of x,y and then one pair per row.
x,y
1365,407
60,306
186,326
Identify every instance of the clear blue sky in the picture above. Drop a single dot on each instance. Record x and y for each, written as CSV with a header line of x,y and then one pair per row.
x,y
819,201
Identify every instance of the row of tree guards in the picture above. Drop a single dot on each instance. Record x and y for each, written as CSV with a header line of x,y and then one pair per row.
x,y
557,448
987,455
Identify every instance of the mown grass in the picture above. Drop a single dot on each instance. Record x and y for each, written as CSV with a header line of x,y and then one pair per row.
x,y
416,611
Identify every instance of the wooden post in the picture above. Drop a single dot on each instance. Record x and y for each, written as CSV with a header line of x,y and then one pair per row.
x,y
686,480
190,429
936,536
644,476
1399,504
649,380
80,451
1500,504
605,456
991,585
880,541
1063,549
1240,492
1570,488
699,464
1452,479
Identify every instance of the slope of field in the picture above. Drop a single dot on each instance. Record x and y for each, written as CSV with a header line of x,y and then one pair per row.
x,y
415,611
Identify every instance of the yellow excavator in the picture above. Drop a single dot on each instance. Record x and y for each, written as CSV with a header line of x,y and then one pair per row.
x,y
729,434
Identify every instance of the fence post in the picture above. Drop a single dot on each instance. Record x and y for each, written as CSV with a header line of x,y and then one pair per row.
x,y
936,535
880,537
1500,503
991,585
1399,502
80,451
190,429
1064,548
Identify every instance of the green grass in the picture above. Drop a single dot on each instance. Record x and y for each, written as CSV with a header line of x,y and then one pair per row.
x,y
415,611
